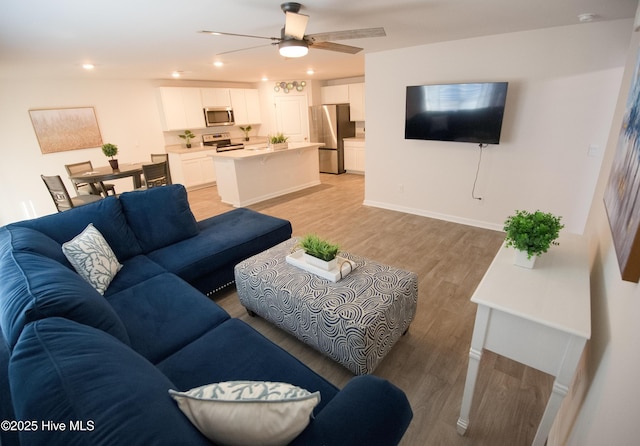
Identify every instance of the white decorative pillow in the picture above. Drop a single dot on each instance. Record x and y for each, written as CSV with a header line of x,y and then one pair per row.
x,y
248,412
92,258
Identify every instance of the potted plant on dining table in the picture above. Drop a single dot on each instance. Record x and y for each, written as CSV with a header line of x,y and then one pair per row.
x,y
111,150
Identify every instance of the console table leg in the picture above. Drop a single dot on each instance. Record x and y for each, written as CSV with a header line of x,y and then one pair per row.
x,y
475,354
560,388
553,405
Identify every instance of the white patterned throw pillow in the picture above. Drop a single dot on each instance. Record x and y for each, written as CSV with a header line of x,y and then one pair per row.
x,y
248,412
92,258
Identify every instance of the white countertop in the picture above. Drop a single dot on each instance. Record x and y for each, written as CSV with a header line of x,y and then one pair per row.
x,y
250,153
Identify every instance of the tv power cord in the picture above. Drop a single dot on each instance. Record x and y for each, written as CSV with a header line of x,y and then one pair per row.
x,y
473,191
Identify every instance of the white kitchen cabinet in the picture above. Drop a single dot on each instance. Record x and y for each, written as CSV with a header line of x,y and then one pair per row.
x,y
246,106
354,155
356,102
181,108
194,169
215,97
335,94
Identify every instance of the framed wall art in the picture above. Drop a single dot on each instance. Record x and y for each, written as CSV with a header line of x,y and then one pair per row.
x,y
63,129
622,195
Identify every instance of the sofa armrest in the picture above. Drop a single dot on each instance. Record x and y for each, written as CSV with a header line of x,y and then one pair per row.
x,y
368,410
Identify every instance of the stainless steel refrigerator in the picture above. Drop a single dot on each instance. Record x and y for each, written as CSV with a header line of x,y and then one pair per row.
x,y
329,124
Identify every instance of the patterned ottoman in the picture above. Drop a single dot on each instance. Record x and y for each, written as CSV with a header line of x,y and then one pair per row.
x,y
354,321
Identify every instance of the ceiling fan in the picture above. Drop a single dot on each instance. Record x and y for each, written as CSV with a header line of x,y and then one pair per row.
x,y
293,42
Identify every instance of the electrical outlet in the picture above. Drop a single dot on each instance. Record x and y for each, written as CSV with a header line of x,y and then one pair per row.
x,y
401,188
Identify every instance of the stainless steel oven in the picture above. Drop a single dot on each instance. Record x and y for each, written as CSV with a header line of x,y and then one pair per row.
x,y
221,141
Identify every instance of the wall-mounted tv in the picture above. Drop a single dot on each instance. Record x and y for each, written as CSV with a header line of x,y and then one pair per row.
x,y
470,112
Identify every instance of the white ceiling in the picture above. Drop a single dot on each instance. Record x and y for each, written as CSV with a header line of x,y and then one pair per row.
x,y
144,39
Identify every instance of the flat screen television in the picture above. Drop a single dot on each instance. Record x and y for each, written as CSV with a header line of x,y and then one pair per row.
x,y
470,112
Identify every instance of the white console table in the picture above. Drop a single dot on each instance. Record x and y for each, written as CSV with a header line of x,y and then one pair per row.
x,y
539,317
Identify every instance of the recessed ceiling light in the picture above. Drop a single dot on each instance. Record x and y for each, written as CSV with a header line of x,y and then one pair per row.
x,y
217,63
175,74
310,71
265,78
88,66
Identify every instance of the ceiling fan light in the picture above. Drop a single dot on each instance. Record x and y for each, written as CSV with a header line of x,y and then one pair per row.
x,y
293,48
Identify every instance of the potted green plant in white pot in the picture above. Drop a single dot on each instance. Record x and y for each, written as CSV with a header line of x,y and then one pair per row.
x,y
279,142
111,150
531,234
319,252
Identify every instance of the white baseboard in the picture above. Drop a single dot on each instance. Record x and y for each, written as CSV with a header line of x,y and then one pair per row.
x,y
436,215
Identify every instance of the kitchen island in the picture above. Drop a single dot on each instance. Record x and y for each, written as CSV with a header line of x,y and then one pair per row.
x,y
245,177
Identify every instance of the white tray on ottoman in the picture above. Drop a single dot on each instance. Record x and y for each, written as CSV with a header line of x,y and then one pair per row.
x,y
355,321
342,269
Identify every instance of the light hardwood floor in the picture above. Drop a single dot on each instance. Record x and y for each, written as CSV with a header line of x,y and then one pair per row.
x,y
430,362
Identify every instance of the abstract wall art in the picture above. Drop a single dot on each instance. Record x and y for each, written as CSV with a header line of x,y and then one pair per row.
x,y
63,129
622,195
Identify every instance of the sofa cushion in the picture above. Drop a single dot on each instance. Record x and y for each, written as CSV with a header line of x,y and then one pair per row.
x,y
159,216
222,242
243,355
163,314
134,270
63,372
92,258
106,215
27,239
35,287
248,413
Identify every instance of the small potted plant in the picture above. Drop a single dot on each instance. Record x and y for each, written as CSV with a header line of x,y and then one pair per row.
x,y
187,136
111,150
246,131
319,252
531,234
279,142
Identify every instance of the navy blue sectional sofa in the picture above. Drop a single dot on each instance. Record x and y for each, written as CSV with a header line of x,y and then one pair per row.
x,y
100,366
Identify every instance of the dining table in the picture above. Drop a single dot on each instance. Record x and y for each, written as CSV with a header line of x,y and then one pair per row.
x,y
96,176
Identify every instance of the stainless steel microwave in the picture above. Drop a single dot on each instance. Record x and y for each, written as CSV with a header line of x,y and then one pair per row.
x,y
217,116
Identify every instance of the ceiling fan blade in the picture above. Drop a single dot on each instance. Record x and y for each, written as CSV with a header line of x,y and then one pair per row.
x,y
244,49
220,33
295,25
335,47
348,34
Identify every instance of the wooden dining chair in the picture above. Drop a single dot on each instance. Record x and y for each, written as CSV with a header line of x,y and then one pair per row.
x,y
61,197
85,188
155,174
160,157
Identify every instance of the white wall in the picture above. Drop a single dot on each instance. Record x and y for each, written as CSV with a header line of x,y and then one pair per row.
x,y
603,407
127,115
563,85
